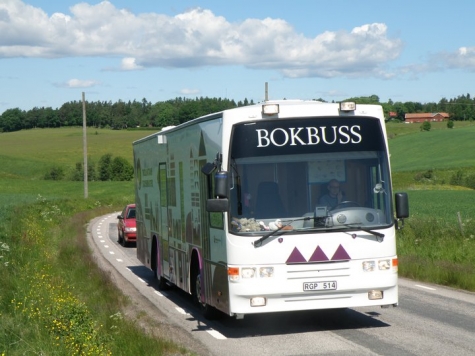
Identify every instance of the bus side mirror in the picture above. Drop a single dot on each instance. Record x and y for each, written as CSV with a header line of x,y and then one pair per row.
x,y
217,205
402,209
402,205
221,184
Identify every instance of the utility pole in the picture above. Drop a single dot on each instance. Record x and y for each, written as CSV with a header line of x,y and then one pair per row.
x,y
84,143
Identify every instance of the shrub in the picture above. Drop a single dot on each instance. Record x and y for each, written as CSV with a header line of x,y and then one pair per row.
x,y
55,173
105,167
122,170
78,173
424,176
457,178
426,126
470,181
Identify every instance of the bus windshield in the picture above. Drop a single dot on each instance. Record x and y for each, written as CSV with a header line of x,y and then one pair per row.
x,y
333,173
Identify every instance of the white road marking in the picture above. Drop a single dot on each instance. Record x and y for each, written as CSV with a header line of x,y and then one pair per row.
x,y
158,293
216,334
112,252
424,287
181,310
119,260
213,333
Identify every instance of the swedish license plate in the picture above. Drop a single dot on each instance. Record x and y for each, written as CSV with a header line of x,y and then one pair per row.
x,y
312,286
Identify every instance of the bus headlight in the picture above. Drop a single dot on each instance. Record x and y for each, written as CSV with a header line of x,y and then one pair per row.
x,y
266,272
248,272
384,265
369,266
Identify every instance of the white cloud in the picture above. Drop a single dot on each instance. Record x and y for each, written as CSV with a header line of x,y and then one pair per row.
x,y
78,83
194,38
129,63
187,91
464,57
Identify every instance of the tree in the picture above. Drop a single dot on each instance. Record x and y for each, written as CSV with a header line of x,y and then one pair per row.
x,y
11,120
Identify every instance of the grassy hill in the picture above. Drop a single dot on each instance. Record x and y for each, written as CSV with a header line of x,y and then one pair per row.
x,y
436,149
30,153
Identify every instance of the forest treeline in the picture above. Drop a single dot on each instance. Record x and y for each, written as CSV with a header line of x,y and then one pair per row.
x,y
118,115
121,114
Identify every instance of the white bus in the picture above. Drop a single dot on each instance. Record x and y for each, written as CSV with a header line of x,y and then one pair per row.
x,y
229,208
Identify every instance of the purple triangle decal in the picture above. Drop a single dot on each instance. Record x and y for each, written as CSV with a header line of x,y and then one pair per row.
x,y
318,255
296,257
341,254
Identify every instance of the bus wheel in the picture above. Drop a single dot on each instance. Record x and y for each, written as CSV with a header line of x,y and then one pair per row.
x,y
206,310
162,282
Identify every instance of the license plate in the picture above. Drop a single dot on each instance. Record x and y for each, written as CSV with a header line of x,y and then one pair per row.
x,y
312,286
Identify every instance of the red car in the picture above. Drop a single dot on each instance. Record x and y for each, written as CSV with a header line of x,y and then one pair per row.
x,y
126,226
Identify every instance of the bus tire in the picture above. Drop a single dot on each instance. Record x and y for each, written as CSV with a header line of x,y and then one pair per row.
x,y
162,282
206,310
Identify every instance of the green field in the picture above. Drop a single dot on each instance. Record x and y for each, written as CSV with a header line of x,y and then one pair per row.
x,y
48,276
438,242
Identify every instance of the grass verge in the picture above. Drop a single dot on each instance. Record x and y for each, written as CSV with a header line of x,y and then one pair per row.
x,y
55,300
437,244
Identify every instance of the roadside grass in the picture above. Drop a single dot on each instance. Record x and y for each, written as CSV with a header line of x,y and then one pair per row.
x,y
55,299
437,244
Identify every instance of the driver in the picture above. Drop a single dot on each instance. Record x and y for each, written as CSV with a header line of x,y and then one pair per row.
x,y
334,195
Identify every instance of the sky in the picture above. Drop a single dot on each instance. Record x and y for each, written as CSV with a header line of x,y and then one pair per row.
x,y
52,51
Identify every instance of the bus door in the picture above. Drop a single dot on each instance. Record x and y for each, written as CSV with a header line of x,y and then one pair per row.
x,y
163,247
216,290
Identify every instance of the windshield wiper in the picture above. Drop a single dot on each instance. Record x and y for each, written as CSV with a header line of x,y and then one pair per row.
x,y
258,242
379,236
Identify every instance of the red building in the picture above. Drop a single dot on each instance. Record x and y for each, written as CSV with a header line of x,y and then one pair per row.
x,y
421,117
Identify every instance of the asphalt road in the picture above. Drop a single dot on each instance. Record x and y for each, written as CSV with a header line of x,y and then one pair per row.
x,y
430,319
